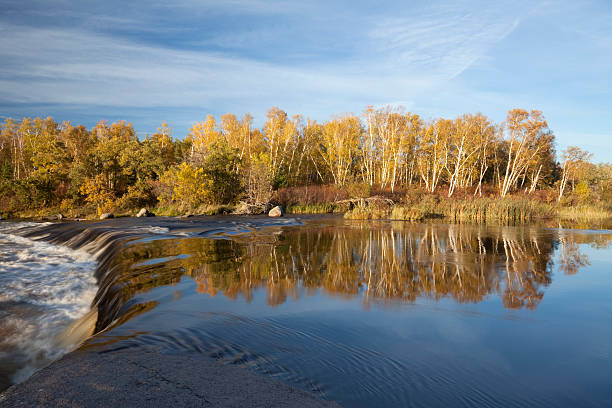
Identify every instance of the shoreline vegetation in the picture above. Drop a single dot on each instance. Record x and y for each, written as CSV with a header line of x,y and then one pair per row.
x,y
383,164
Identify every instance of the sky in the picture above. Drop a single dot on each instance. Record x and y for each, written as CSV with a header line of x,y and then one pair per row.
x,y
153,61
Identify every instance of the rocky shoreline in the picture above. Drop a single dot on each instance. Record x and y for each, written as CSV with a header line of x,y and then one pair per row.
x,y
137,377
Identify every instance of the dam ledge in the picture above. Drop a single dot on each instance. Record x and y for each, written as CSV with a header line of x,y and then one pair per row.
x,y
89,376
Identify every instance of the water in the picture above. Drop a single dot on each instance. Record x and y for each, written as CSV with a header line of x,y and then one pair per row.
x,y
365,313
44,289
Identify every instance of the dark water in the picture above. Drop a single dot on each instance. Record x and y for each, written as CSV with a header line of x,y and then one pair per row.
x,y
369,313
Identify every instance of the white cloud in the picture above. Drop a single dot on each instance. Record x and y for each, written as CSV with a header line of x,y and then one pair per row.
x,y
397,59
68,66
443,43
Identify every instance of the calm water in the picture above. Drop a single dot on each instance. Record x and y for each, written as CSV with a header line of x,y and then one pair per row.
x,y
369,313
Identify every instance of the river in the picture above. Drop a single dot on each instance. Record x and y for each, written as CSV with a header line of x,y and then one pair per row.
x,y
376,313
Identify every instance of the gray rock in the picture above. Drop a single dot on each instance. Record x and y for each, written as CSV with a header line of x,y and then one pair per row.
x,y
106,216
53,217
145,213
244,208
140,378
276,211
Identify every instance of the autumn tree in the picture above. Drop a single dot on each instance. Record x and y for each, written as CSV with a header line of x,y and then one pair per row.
x,y
339,146
279,134
527,136
573,160
433,152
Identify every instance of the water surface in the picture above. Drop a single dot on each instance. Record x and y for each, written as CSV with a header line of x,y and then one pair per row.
x,y
369,313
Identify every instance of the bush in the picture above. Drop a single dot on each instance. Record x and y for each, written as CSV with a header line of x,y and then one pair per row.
x,y
308,195
215,182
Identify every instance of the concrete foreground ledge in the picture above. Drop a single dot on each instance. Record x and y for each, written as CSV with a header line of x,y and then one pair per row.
x,y
145,378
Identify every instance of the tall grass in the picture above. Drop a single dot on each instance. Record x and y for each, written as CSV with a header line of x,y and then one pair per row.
x,y
513,210
324,208
406,213
583,212
507,210
367,213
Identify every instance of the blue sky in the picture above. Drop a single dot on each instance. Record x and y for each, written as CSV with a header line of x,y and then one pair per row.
x,y
157,61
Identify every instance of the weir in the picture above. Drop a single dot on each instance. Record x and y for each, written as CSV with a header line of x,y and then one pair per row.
x,y
105,241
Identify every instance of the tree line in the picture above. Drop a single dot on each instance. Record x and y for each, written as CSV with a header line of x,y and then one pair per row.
x,y
44,163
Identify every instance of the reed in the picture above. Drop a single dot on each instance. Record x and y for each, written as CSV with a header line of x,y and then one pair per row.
x,y
407,213
511,210
367,213
482,210
583,212
326,208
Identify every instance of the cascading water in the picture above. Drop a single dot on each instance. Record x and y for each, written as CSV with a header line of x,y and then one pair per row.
x,y
60,283
46,288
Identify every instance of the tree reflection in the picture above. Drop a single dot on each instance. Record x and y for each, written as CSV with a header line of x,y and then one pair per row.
x,y
377,262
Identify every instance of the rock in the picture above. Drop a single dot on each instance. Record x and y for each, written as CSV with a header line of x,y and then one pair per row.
x,y
276,212
244,208
145,213
53,217
188,215
2,218
106,216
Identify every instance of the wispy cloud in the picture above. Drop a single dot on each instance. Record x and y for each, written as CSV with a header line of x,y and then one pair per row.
x,y
443,42
65,65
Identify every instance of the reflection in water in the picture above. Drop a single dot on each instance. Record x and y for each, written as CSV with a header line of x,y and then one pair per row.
x,y
378,262
308,305
302,305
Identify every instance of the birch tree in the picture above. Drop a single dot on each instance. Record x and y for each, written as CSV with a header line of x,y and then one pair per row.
x,y
573,158
525,130
339,146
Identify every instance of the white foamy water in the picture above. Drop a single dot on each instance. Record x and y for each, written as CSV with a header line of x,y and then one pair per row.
x,y
44,289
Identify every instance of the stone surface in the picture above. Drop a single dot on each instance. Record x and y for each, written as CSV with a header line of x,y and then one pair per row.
x,y
244,208
136,377
145,213
55,217
276,211
106,216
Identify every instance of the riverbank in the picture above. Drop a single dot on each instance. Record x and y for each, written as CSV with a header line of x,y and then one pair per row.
x,y
510,210
146,378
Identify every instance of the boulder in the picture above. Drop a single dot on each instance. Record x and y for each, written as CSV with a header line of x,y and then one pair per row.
x,y
145,213
276,211
244,208
105,216
54,217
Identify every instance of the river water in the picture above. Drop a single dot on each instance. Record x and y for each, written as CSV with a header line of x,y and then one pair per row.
x,y
362,313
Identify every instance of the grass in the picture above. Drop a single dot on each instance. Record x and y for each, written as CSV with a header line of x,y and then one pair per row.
x,y
511,210
407,213
173,210
367,213
482,210
324,208
583,212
